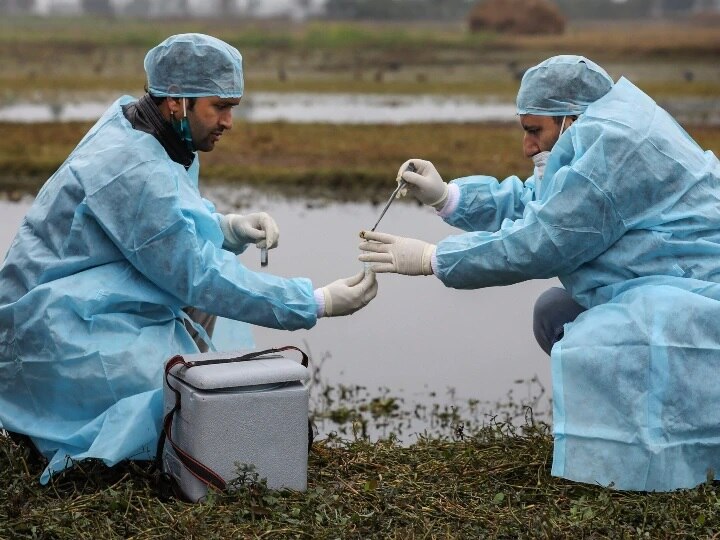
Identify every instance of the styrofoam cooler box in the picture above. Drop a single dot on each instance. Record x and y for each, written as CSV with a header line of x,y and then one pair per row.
x,y
253,412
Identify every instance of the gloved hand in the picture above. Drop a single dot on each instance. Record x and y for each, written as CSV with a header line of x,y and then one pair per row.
x,y
425,185
346,296
258,228
396,254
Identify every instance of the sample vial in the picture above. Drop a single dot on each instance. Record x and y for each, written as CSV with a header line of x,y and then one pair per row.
x,y
263,257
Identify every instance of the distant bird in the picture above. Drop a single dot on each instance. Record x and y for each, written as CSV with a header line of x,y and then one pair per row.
x,y
688,75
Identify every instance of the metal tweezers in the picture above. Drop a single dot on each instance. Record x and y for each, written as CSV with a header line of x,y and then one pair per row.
x,y
401,185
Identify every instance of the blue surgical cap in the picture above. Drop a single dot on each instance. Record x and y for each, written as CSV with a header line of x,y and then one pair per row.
x,y
194,65
562,86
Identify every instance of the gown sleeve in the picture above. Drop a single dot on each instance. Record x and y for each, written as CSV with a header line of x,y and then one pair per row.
x,y
573,223
484,202
164,228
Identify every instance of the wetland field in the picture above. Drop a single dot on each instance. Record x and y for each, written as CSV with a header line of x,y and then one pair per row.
x,y
60,61
477,473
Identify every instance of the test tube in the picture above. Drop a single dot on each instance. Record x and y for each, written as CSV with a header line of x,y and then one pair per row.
x,y
366,265
263,257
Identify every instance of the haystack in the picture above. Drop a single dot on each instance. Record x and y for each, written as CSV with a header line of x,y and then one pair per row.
x,y
517,17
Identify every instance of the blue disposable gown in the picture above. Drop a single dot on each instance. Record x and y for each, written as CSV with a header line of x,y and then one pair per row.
x,y
628,217
116,244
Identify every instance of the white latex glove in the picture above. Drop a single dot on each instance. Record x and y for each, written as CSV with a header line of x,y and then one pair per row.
x,y
396,254
426,184
346,296
258,228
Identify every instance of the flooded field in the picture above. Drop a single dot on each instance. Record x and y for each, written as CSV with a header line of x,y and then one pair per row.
x,y
351,109
302,108
418,343
336,107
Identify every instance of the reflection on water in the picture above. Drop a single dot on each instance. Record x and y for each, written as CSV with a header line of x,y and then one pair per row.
x,y
53,112
351,109
302,108
417,339
371,109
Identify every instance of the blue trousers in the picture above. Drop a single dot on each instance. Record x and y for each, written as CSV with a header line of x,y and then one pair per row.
x,y
553,309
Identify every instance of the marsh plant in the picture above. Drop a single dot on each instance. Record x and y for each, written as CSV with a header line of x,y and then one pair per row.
x,y
467,473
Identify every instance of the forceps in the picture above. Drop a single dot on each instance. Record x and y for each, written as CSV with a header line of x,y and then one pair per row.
x,y
401,185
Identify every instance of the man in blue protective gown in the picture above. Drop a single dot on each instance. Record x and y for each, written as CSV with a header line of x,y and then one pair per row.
x,y
624,208
120,257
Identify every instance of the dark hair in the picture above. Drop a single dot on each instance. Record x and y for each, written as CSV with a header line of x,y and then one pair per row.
x,y
157,100
559,119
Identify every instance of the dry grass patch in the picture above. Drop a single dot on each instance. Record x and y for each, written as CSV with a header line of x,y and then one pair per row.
x,y
355,161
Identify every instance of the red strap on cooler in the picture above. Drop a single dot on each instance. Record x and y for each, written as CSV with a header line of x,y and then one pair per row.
x,y
203,473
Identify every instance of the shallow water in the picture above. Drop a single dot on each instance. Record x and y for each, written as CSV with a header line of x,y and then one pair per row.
x,y
418,339
371,109
349,109
301,108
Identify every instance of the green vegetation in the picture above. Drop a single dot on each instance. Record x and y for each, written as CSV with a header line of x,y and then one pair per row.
x,y
603,38
493,482
43,57
479,470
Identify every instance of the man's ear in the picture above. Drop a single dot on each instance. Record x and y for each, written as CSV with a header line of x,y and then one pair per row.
x,y
174,105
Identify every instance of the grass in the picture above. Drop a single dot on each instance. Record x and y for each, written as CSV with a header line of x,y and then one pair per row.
x,y
353,159
618,38
475,474
347,162
41,57
493,482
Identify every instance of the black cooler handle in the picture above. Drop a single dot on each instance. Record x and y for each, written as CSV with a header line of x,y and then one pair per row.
x,y
200,471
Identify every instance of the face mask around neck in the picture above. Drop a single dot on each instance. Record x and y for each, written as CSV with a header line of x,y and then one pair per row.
x,y
182,128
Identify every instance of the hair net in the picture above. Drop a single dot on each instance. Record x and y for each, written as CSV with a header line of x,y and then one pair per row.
x,y
194,65
562,85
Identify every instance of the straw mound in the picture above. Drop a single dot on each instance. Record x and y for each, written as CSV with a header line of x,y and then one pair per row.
x,y
517,17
